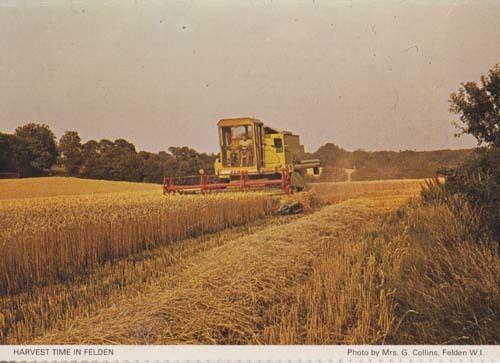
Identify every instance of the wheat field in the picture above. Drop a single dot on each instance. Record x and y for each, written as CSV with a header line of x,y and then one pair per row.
x,y
58,186
131,266
46,239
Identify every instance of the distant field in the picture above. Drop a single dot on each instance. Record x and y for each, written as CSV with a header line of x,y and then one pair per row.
x,y
387,194
53,186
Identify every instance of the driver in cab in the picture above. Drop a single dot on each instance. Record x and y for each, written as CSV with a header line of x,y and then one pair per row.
x,y
246,150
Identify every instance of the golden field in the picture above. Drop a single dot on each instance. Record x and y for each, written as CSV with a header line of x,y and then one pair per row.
x,y
57,186
386,194
136,267
46,239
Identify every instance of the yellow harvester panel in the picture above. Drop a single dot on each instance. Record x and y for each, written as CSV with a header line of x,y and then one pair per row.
x,y
249,145
274,152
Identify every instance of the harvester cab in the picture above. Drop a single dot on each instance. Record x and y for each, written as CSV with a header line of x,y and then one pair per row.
x,y
253,156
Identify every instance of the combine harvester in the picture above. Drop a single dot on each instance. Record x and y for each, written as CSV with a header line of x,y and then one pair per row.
x,y
252,156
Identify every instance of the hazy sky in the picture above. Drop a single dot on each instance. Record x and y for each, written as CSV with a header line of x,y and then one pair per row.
x,y
361,74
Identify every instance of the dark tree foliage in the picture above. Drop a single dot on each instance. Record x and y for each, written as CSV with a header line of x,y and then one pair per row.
x,y
119,160
41,144
155,166
189,162
5,153
16,157
21,157
70,152
478,181
110,160
479,108
32,150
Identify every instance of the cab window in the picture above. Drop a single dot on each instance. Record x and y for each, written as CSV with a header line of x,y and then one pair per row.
x,y
278,144
237,146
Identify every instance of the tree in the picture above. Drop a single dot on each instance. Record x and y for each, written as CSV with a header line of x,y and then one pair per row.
x,y
5,153
155,166
70,152
478,179
332,155
15,157
111,160
41,144
124,162
90,155
124,145
189,161
23,157
479,108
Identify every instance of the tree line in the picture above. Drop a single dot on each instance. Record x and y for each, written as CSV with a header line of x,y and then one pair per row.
x,y
378,165
34,151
